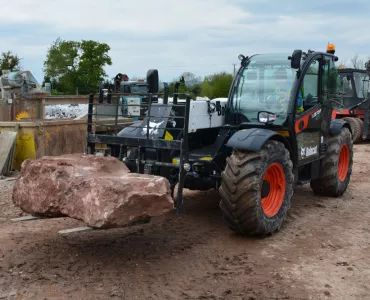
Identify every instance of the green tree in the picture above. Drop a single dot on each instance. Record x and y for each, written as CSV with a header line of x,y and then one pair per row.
x,y
191,79
76,66
195,90
191,85
9,61
216,85
91,65
213,86
182,87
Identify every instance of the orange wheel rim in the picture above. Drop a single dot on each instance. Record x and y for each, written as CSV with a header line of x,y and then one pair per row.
x,y
343,164
272,202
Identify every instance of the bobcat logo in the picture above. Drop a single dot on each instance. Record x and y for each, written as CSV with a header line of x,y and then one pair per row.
x,y
153,128
308,151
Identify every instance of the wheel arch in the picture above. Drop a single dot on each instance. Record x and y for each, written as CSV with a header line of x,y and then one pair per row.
x,y
336,126
254,139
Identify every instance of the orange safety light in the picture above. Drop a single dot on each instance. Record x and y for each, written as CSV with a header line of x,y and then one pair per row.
x,y
330,47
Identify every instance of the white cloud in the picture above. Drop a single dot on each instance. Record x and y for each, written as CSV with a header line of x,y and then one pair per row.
x,y
146,17
200,36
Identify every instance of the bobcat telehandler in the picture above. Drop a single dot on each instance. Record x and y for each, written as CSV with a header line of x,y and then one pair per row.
x,y
253,147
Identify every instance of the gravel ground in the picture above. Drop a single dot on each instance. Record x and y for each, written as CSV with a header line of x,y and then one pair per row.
x,y
322,252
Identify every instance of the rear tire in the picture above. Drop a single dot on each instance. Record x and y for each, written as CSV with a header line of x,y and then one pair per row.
x,y
336,167
244,209
360,130
355,128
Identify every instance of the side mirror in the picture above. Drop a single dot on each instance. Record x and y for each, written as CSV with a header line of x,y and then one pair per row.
x,y
367,67
166,93
101,93
242,58
296,57
153,81
175,91
266,117
218,106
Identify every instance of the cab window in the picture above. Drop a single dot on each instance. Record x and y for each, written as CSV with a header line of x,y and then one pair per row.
x,y
311,85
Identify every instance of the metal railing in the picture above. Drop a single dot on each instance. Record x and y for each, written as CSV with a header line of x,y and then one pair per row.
x,y
154,149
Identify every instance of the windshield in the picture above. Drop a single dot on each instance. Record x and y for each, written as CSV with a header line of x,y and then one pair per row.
x,y
139,88
361,83
264,85
134,88
345,84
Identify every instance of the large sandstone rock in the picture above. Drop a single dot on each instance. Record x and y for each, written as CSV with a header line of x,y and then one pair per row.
x,y
99,191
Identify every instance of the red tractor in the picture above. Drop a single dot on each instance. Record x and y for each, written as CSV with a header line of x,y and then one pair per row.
x,y
353,105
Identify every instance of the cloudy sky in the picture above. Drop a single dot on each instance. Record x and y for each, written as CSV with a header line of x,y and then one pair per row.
x,y
199,36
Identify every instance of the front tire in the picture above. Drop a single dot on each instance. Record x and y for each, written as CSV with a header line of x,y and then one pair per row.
x,y
246,176
336,167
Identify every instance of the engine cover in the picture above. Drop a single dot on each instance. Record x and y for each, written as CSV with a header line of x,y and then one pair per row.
x,y
203,114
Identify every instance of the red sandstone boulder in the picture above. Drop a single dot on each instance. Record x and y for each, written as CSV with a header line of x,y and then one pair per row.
x,y
100,191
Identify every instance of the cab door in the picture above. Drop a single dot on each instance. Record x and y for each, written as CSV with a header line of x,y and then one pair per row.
x,y
308,124
329,95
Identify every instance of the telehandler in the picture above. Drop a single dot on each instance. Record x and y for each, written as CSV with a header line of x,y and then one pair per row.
x,y
253,147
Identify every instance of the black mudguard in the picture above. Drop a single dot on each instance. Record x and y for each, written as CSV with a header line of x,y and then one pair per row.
x,y
336,126
254,139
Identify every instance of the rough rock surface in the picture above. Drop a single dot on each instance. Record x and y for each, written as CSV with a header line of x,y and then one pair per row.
x,y
100,191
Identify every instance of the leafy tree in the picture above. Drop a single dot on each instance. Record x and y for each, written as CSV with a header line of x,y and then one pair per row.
x,y
216,85
195,90
182,87
213,86
77,66
191,85
190,79
9,61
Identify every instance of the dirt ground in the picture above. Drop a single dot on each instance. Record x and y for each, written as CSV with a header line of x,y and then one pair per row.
x,y
322,252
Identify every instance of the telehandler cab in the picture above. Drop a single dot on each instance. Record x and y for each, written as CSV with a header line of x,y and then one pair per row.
x,y
253,147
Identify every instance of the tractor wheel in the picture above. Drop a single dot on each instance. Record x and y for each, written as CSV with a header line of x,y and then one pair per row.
x,y
256,189
355,128
336,167
360,129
